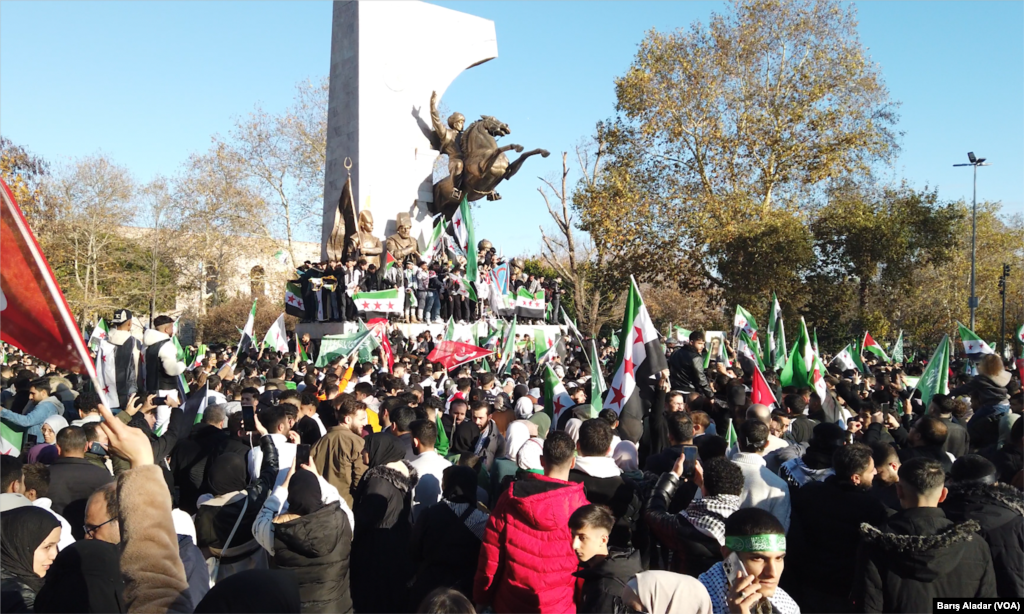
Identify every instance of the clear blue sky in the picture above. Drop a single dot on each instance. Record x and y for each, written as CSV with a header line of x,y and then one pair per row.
x,y
149,82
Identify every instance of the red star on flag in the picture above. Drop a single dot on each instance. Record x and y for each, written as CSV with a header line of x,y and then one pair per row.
x,y
458,222
106,389
376,305
558,405
627,367
617,397
391,305
639,338
366,304
103,358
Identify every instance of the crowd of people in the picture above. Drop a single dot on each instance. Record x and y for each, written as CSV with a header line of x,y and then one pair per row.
x,y
261,483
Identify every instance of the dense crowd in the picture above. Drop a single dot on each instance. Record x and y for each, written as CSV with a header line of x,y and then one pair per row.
x,y
261,483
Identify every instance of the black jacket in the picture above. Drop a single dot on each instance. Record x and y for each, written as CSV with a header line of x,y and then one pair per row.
x,y
920,555
686,371
189,460
603,582
381,539
445,552
988,391
620,496
999,510
693,552
935,453
824,532
958,442
317,547
72,481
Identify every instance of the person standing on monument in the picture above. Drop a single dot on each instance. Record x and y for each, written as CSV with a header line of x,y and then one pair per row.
x,y
449,143
126,356
162,365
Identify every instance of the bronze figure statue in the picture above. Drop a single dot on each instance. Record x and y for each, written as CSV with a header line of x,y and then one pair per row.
x,y
400,245
363,244
476,164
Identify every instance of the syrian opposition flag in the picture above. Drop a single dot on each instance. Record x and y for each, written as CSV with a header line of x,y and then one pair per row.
x,y
797,371
463,288
974,347
556,398
451,354
276,338
935,378
743,321
34,316
845,359
746,347
544,348
760,392
472,274
293,303
98,334
817,377
246,342
530,305
384,301
640,359
872,346
433,245
597,385
195,406
1020,334
508,348
775,349
281,257
10,441
459,227
896,351
106,374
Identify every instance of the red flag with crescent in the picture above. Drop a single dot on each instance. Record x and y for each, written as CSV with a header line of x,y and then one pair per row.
x,y
454,353
379,328
34,315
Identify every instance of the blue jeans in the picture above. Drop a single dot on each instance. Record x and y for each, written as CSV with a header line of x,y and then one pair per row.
x,y
988,410
432,306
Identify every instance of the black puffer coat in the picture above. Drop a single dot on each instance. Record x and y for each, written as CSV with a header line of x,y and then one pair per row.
x,y
317,547
920,555
381,564
999,510
603,582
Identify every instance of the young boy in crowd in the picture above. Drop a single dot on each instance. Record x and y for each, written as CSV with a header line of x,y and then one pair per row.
x,y
603,570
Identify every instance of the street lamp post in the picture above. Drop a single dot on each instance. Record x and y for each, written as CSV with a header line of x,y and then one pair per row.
x,y
972,302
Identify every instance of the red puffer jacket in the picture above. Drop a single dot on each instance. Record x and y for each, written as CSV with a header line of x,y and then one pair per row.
x,y
526,562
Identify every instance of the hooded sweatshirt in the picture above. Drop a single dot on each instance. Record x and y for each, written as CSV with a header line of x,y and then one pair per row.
x,y
527,562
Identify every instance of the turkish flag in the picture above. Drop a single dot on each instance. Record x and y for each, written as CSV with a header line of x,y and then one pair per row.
x,y
379,326
454,353
33,313
760,393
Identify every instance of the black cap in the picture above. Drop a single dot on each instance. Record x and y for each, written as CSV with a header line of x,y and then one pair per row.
x,y
121,316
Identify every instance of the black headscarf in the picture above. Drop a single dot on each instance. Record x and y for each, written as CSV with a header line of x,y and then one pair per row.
x,y
383,448
25,528
304,496
85,577
464,438
458,484
226,474
259,591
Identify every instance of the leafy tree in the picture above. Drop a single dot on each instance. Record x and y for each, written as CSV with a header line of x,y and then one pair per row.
x,y
24,173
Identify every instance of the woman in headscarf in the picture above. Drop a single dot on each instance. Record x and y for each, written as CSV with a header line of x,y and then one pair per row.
x,y
51,426
504,469
44,453
85,577
27,550
666,592
446,539
256,591
573,428
312,536
224,518
464,440
543,422
524,408
381,566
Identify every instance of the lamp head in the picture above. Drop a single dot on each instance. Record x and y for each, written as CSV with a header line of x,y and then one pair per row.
x,y
970,156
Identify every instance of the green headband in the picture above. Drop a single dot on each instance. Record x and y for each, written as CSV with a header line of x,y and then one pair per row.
x,y
756,543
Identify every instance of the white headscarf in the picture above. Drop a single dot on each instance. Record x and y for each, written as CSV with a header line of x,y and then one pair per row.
x,y
626,455
516,435
530,453
573,428
57,423
524,408
671,593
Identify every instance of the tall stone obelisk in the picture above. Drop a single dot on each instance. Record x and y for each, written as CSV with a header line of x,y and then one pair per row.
x,y
386,59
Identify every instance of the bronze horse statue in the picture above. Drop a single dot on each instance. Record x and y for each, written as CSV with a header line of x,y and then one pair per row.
x,y
484,165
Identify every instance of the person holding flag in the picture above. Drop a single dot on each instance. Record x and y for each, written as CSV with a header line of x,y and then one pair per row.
x,y
126,358
162,366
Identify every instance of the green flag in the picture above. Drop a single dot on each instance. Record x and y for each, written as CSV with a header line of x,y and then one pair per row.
x,y
731,438
597,385
302,353
858,349
896,351
508,349
935,378
340,346
441,445
816,350
801,360
449,329
749,349
467,218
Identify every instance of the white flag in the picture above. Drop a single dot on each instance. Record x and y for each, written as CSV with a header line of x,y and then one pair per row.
x,y
276,338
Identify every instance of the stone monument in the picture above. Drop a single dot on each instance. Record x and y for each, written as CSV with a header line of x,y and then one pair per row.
x,y
386,61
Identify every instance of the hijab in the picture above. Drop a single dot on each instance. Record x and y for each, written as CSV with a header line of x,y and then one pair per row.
x,y
226,474
529,455
464,438
543,422
517,434
259,591
25,528
57,423
671,593
85,577
304,496
383,448
573,429
458,484
524,408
